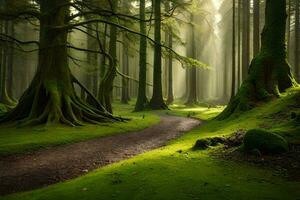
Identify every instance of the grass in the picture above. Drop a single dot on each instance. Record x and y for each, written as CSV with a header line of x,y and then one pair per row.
x,y
19,140
177,172
203,113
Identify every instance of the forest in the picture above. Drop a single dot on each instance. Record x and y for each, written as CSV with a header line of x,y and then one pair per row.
x,y
149,99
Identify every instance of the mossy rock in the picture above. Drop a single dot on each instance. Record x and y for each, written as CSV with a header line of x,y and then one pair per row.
x,y
265,142
201,144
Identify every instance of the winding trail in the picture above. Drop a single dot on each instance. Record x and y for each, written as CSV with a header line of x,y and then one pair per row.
x,y
49,166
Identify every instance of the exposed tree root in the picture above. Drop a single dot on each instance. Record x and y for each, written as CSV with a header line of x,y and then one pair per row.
x,y
49,103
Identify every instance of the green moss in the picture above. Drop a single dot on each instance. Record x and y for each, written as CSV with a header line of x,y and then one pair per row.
x,y
167,174
264,141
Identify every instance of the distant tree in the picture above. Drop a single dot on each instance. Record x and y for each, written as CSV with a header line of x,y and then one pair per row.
x,y
269,72
256,23
239,42
233,81
192,96
169,41
245,38
125,70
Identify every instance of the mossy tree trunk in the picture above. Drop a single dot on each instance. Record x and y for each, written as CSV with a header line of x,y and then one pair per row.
x,y
269,72
157,101
142,98
51,96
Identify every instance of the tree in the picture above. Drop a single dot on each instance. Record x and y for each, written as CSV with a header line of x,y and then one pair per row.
x,y
51,97
233,82
5,65
141,98
245,38
169,40
125,70
157,101
192,96
256,23
297,40
269,72
239,42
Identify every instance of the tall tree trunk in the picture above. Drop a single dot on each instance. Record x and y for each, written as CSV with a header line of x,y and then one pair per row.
x,y
141,98
269,72
192,97
51,96
256,23
170,98
233,75
157,101
246,38
288,27
297,40
125,70
11,32
169,40
239,42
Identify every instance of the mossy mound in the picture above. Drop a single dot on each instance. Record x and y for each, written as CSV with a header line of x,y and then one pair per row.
x,y
265,142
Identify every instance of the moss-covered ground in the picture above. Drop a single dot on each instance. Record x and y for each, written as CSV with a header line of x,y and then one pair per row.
x,y
19,140
176,172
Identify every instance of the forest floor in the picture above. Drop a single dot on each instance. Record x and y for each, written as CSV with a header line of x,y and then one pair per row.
x,y
176,171
14,140
45,167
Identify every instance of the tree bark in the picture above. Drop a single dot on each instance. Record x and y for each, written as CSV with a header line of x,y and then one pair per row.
x,y
141,98
256,23
233,75
192,98
169,40
51,96
239,43
269,72
157,101
246,38
4,61
288,27
125,70
297,40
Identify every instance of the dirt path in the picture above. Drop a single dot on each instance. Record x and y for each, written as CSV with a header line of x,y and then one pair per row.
x,y
45,167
